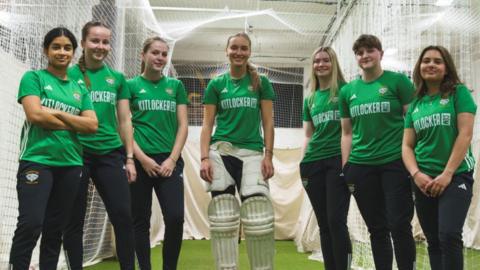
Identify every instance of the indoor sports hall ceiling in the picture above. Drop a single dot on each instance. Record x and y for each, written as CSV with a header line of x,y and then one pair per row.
x,y
284,31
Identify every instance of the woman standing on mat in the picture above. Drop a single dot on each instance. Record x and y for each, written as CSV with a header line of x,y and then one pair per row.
x,y
56,108
436,152
321,165
241,101
159,108
108,155
372,110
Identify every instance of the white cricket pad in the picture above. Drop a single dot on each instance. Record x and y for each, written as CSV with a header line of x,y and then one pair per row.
x,y
252,178
258,224
221,178
224,217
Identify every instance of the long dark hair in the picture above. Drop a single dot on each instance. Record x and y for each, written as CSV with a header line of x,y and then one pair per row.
x,y
59,32
450,80
81,61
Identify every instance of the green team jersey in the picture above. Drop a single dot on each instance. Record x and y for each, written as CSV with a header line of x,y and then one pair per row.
x,y
322,111
45,146
376,112
434,119
107,87
154,112
238,109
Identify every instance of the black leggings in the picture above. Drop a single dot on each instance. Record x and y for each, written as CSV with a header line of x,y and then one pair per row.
x,y
384,198
330,199
110,179
442,221
45,199
169,193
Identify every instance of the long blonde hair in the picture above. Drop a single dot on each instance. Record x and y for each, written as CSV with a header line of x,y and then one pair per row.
x,y
251,69
337,75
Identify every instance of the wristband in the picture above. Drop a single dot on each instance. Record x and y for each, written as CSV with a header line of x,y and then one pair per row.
x,y
172,159
130,156
267,151
204,158
415,173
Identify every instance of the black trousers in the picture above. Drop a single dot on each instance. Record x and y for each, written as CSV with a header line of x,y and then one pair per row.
x,y
170,195
45,198
109,177
330,199
442,221
384,198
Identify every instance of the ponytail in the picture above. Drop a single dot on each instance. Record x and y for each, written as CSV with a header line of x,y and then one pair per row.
x,y
254,76
83,68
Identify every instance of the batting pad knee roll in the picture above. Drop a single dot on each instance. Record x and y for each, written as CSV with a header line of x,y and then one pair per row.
x,y
257,217
224,217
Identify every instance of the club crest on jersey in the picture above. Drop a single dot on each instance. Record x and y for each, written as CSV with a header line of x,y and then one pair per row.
x,y
444,101
383,90
110,80
48,87
80,81
250,88
335,99
32,177
169,91
76,96
142,91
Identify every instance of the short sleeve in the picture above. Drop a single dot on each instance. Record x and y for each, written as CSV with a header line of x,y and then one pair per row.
x,y
405,89
408,123
123,88
86,101
267,89
29,85
464,101
181,94
306,108
210,95
342,102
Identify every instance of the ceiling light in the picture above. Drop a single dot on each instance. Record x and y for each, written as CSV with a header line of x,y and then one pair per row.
x,y
444,3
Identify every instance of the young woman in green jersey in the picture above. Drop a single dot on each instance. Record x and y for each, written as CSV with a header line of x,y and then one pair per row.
x,y
159,108
56,108
372,109
321,166
104,155
436,152
241,101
